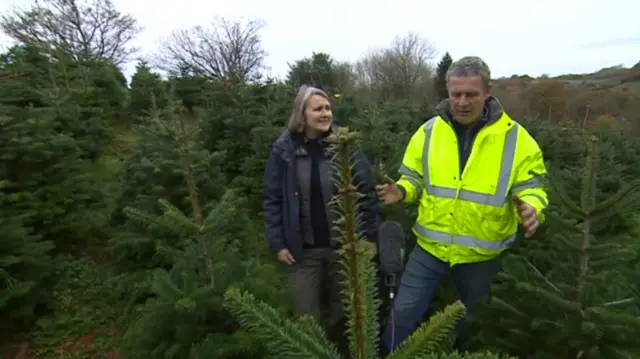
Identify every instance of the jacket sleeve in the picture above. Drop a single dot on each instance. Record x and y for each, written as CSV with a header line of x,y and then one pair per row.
x,y
528,183
411,182
368,203
272,203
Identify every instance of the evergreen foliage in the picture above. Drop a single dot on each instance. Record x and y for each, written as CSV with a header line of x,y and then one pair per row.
x,y
147,91
319,70
240,126
303,338
52,129
574,280
156,171
203,255
190,91
25,267
48,144
440,78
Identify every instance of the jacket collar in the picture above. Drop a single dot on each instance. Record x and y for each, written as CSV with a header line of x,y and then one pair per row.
x,y
289,141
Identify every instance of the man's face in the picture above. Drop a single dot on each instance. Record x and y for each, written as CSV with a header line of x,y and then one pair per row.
x,y
467,95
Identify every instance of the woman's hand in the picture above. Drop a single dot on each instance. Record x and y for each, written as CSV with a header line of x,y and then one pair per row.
x,y
285,257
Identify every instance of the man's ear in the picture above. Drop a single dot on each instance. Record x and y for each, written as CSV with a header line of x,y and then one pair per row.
x,y
489,88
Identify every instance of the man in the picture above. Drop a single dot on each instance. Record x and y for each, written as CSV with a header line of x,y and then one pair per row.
x,y
474,173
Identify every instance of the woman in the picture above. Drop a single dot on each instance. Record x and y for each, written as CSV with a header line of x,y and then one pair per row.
x,y
297,189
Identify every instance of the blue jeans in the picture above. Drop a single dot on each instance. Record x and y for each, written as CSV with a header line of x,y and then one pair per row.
x,y
420,281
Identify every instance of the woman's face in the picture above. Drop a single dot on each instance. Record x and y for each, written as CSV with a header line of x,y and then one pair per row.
x,y
318,116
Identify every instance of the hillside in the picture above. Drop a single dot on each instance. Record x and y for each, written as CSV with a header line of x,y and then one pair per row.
x,y
611,78
610,92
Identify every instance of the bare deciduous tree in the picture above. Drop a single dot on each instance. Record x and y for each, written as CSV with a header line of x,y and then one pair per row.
x,y
402,70
229,49
83,29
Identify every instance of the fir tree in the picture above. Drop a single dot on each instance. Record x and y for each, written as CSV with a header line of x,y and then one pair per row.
x,y
190,90
47,143
319,71
25,268
440,78
569,295
146,85
242,123
302,337
183,318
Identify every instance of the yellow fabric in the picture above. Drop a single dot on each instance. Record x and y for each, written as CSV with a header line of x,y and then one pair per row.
x,y
532,164
464,220
414,164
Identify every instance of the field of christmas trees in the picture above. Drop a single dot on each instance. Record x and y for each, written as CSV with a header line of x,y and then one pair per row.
x,y
131,224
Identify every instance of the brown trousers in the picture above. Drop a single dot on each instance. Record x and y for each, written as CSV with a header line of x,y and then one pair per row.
x,y
313,277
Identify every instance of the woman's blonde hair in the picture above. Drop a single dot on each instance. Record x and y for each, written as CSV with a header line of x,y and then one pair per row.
x,y
297,120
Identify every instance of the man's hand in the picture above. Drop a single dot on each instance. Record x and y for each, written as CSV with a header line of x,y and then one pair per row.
x,y
388,192
285,257
528,215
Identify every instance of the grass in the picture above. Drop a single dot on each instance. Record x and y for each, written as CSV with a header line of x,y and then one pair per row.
x,y
86,315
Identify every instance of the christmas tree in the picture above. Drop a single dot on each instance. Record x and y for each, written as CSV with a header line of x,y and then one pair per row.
x,y
182,316
303,337
440,78
570,293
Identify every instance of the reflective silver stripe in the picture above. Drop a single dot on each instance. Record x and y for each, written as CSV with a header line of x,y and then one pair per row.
x,y
466,241
499,198
540,198
413,177
409,172
416,184
530,183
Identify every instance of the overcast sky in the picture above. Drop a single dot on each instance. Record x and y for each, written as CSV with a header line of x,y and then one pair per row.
x,y
514,37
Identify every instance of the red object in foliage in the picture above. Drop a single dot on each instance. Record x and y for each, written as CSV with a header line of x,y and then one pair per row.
x,y
14,76
227,84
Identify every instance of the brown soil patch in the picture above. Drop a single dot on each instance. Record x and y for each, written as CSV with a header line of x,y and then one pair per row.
x,y
78,346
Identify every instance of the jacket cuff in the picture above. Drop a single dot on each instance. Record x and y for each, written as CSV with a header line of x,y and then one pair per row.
x,y
277,247
403,191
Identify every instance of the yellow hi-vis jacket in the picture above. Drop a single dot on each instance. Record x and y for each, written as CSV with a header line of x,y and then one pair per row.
x,y
471,218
